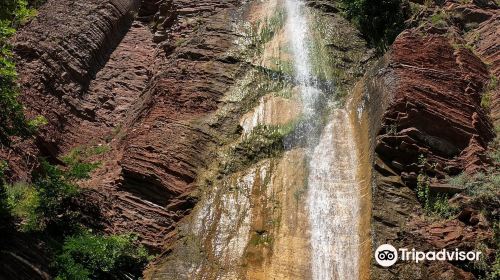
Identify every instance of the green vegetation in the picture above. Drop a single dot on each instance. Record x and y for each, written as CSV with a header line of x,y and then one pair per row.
x,y
486,268
435,204
23,202
479,184
13,14
380,21
261,238
77,163
487,95
45,208
4,209
263,142
45,202
89,256
263,31
483,190
439,19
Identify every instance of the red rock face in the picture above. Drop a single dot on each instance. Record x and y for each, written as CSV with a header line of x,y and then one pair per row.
x,y
487,46
435,125
99,78
435,112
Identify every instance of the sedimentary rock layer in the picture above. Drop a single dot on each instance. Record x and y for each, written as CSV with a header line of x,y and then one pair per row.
x,y
434,125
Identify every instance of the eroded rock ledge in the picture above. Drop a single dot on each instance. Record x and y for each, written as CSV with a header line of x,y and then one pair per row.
x,y
434,125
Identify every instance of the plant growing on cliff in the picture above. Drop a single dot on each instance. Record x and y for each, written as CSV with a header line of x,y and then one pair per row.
x,y
89,256
380,21
263,142
434,204
12,120
46,202
77,161
4,209
487,95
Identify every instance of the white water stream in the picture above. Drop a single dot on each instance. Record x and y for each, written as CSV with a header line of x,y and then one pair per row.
x,y
333,188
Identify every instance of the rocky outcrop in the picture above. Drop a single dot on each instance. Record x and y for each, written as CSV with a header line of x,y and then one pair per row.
x,y
434,126
438,87
99,79
150,89
60,52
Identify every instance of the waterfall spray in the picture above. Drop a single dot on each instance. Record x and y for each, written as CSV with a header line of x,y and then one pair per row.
x,y
333,191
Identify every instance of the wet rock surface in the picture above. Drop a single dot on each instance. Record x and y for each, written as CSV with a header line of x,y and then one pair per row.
x,y
152,89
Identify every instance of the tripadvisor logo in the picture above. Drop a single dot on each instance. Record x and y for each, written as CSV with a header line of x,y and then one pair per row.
x,y
386,255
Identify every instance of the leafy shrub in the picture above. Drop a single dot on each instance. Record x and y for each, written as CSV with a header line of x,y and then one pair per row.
x,y
487,95
434,203
478,184
4,209
89,256
56,189
380,21
23,201
77,161
12,120
439,19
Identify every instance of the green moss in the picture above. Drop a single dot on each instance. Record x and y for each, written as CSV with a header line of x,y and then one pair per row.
x,y
298,194
261,238
263,31
263,142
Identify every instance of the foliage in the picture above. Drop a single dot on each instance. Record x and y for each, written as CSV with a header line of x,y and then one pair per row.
x,y
77,163
46,201
439,19
88,256
478,184
484,191
434,203
262,32
23,201
56,189
380,21
487,95
4,209
494,148
13,14
488,267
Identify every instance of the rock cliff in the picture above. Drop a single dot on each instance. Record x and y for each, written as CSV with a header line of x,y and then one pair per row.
x,y
181,94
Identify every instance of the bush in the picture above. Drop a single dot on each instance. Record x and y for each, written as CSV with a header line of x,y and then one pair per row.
x,y
4,209
12,120
434,203
380,21
76,161
56,190
23,201
479,184
89,256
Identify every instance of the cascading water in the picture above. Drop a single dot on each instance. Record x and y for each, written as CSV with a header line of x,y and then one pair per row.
x,y
333,189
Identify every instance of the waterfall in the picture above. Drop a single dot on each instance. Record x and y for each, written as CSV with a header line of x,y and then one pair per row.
x,y
333,197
